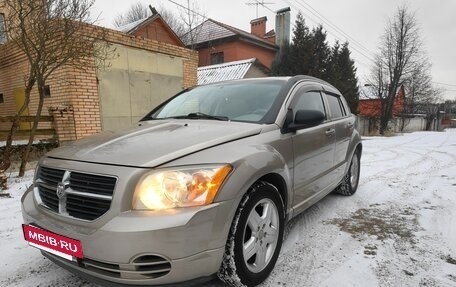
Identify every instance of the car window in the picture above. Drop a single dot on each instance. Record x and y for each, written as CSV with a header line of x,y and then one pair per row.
x,y
310,100
335,107
239,101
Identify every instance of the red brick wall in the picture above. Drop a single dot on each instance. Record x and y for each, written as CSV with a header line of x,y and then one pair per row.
x,y
158,31
372,107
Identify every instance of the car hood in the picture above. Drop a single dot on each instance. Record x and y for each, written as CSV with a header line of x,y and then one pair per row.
x,y
153,143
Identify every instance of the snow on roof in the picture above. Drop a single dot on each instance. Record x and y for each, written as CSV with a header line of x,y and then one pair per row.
x,y
224,72
127,27
367,93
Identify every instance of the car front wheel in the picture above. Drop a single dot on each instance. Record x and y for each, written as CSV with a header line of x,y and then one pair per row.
x,y
255,237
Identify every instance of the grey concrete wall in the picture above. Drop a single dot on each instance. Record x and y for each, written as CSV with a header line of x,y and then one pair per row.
x,y
135,82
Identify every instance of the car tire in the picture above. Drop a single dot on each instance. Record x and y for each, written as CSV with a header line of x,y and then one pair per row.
x,y
255,237
349,183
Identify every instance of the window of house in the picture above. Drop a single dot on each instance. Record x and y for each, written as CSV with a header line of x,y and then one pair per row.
x,y
2,29
46,91
2,100
217,58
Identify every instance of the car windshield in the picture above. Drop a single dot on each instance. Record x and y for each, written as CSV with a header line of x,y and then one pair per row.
x,y
246,101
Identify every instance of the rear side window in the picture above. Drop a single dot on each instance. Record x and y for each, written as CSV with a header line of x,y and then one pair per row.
x,y
335,107
309,101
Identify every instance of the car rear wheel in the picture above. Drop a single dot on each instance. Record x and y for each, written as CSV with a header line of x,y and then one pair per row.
x,y
255,237
349,183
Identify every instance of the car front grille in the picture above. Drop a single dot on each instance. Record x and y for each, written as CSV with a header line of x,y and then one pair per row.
x,y
80,195
47,186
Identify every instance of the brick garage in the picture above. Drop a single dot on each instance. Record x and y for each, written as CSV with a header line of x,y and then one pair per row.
x,y
75,96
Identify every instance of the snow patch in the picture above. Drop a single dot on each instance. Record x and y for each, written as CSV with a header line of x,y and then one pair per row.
x,y
406,181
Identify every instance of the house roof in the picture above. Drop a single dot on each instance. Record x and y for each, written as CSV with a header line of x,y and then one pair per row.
x,y
370,92
127,27
130,28
227,71
367,93
211,30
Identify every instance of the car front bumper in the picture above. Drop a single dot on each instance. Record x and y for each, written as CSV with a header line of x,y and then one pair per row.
x,y
140,247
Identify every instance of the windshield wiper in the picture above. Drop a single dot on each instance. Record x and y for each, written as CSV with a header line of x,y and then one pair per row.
x,y
195,116
199,115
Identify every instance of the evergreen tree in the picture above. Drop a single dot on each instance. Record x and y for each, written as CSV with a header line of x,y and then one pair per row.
x,y
320,52
295,59
301,48
332,72
310,54
282,65
342,74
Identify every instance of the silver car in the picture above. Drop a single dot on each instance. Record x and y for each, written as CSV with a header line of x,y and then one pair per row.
x,y
202,185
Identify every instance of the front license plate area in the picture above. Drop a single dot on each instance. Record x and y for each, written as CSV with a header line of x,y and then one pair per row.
x,y
54,243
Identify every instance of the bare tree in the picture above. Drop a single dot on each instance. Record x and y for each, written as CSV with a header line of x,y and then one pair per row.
x,y
422,95
50,34
400,52
192,18
139,11
173,21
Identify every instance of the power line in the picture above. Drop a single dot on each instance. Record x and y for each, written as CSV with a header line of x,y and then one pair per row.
x,y
353,47
451,85
188,9
331,24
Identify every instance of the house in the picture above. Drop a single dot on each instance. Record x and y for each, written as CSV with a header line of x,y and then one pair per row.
x,y
370,104
243,69
142,72
219,43
153,27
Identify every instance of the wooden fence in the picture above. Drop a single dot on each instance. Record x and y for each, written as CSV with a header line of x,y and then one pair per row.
x,y
46,132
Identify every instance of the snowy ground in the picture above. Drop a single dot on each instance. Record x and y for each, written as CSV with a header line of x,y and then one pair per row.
x,y
399,229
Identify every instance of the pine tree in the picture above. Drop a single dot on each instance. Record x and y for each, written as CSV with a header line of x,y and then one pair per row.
x,y
320,53
301,48
333,72
282,65
342,74
295,59
310,54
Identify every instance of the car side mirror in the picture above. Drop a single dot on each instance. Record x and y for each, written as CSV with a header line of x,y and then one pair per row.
x,y
306,119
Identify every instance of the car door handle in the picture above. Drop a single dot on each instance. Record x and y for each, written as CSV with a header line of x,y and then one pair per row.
x,y
330,132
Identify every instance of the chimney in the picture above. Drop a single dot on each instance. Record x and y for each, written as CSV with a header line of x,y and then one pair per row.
x,y
282,27
258,26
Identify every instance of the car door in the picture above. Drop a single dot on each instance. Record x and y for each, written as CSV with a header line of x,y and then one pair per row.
x,y
313,149
340,115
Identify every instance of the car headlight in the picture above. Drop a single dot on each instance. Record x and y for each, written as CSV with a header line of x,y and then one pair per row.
x,y
179,187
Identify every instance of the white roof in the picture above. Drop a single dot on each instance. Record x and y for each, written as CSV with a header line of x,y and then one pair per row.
x,y
224,72
367,93
127,27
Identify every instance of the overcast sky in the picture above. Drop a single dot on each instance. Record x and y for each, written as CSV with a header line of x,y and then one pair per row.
x,y
363,22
